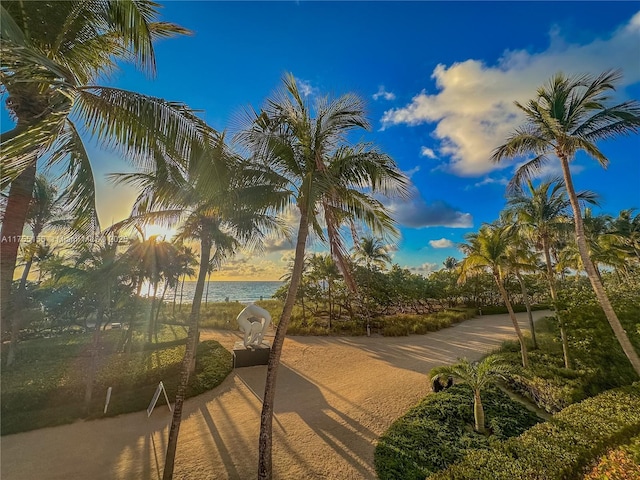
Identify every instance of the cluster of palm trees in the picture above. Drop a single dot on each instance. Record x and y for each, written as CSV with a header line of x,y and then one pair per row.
x,y
569,114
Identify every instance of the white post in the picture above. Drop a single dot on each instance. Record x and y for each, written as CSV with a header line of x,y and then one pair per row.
x,y
106,403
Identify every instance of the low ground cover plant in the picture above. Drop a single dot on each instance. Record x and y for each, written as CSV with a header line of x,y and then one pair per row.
x,y
560,448
439,431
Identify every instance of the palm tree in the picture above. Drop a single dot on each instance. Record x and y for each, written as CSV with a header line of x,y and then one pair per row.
x,y
327,179
450,263
213,204
372,252
52,53
488,249
568,115
543,214
43,212
324,270
520,258
187,261
477,375
96,271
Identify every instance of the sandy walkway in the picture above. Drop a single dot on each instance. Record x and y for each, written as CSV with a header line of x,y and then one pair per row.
x,y
335,397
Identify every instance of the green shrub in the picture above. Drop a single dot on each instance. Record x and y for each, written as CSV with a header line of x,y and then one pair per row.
x,y
561,447
622,463
439,431
50,389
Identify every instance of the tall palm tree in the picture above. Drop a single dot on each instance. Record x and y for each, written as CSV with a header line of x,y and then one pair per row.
x,y
52,53
372,252
488,250
187,261
213,204
543,214
42,213
96,270
477,375
571,114
307,145
520,258
325,271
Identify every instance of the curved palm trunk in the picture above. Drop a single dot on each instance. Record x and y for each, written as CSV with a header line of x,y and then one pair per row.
x,y
478,412
527,303
551,278
189,354
266,418
514,320
596,283
15,215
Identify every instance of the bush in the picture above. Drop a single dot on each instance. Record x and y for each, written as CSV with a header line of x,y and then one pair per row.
x,y
561,447
439,431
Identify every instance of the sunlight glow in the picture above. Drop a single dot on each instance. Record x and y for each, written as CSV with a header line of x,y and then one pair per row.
x,y
152,229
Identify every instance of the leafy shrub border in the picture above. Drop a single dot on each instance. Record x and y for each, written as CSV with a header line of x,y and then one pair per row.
x,y
438,432
560,448
60,406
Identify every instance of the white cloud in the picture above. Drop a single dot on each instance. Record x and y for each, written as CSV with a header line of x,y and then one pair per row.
x,y
417,213
441,243
382,93
489,181
427,152
473,109
305,87
425,268
413,171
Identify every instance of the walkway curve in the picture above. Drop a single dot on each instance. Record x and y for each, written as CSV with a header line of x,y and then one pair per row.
x,y
335,397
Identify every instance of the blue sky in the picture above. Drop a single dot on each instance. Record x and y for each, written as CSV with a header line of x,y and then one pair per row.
x,y
440,79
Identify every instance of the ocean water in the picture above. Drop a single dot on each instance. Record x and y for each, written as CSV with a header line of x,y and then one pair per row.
x,y
220,291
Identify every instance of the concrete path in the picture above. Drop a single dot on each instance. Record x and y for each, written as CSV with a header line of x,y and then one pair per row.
x,y
335,397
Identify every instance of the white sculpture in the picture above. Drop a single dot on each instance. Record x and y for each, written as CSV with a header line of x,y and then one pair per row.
x,y
253,321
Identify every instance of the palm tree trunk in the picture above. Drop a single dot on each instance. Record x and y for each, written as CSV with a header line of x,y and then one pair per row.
x,y
527,303
159,307
551,278
189,354
514,320
88,392
15,215
175,295
181,292
478,412
265,468
596,283
153,301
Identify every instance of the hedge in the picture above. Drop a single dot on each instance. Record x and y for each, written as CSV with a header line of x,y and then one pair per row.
x,y
561,448
438,432
134,378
